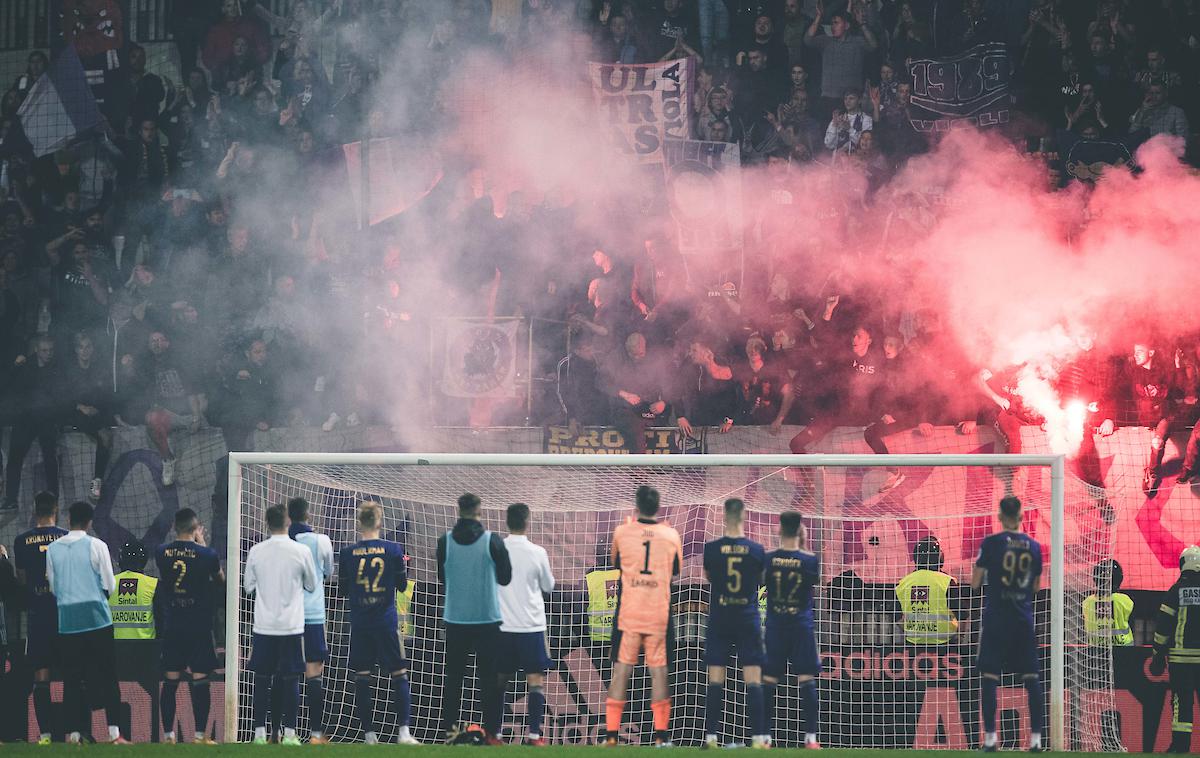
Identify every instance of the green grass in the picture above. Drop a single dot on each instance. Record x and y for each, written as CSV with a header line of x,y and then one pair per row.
x,y
434,751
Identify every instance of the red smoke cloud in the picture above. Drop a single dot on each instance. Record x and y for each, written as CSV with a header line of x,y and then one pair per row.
x,y
1021,273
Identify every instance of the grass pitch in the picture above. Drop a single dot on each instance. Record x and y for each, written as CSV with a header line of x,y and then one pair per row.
x,y
429,751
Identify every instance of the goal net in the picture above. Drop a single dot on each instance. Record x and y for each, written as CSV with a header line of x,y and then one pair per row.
x,y
881,687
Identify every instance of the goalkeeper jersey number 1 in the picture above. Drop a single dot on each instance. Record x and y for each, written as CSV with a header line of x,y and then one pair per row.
x,y
648,553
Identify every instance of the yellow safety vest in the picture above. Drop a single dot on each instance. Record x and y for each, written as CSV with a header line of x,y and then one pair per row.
x,y
602,602
404,600
927,616
132,606
1106,619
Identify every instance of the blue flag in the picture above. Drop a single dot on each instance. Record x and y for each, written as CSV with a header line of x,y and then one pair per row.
x,y
60,105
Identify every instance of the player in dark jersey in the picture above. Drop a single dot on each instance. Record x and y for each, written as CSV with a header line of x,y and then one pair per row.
x,y
734,567
41,638
189,577
792,572
1010,564
369,573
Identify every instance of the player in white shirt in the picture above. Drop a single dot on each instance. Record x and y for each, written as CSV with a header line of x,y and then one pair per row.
x,y
523,614
316,651
278,572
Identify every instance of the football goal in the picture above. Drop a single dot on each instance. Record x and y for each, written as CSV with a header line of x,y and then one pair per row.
x,y
899,661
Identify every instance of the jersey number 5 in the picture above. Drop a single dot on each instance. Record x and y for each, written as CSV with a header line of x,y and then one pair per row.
x,y
373,565
733,574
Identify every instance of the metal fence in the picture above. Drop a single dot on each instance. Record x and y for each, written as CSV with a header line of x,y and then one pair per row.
x,y
24,24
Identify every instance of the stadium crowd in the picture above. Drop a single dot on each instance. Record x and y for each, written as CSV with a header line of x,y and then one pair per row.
x,y
142,283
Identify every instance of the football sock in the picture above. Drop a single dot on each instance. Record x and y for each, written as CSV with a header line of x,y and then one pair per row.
x,y
314,698
769,707
662,714
262,699
166,703
989,704
363,704
613,710
537,710
201,700
289,702
401,699
754,704
811,704
41,705
1033,688
714,705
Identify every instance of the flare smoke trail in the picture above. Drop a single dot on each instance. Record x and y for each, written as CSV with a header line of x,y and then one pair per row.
x,y
1020,273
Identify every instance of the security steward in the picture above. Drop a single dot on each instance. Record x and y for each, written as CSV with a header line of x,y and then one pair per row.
x,y
132,605
1106,614
601,603
924,597
1177,640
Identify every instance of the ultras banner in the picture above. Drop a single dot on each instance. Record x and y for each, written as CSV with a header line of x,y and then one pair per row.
x,y
643,104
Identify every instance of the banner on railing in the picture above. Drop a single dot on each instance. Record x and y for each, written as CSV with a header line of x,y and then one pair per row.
x,y
610,440
481,359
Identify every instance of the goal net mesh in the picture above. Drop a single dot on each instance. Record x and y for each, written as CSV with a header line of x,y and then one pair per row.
x,y
878,688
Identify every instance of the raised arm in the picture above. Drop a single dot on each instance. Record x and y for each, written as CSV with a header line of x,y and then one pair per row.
x,y
815,26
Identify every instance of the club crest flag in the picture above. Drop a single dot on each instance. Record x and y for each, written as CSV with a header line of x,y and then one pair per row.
x,y
481,359
643,105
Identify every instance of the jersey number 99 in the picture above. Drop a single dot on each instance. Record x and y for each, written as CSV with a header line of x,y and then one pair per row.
x,y
1016,569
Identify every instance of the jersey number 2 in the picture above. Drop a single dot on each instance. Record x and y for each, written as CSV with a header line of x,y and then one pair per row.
x,y
181,568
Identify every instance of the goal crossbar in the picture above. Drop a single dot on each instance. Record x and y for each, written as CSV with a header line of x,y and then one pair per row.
x,y
1055,463
654,461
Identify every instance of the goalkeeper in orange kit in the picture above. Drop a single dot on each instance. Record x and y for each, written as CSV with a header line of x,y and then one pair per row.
x,y
648,554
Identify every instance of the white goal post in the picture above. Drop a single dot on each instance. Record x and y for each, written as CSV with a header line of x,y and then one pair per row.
x,y
840,494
